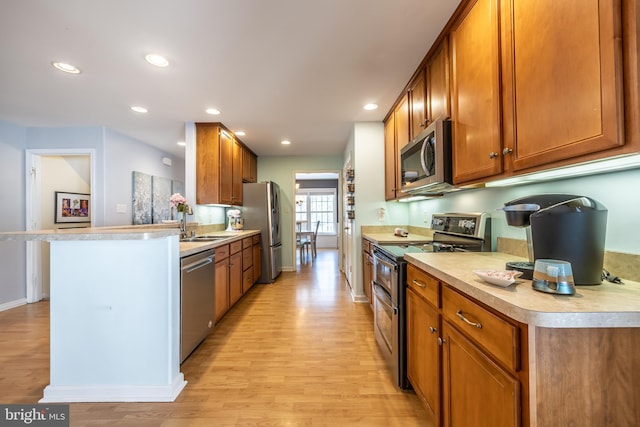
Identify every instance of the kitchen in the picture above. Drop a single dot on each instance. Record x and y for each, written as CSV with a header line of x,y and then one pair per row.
x,y
367,166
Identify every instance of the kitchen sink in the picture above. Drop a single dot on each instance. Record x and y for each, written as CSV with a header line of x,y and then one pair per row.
x,y
203,239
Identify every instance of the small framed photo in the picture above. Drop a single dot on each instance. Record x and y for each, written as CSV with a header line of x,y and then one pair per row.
x,y
72,207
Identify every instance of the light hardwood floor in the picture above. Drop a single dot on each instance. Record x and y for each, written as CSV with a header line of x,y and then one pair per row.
x,y
297,352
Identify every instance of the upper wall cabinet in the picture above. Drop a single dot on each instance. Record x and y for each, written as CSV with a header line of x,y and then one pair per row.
x,y
475,54
218,165
563,86
417,104
249,166
396,136
438,86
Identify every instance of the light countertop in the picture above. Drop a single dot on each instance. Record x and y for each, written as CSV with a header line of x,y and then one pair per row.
x,y
390,238
605,305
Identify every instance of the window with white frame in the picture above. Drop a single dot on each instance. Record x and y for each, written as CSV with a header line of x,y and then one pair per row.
x,y
317,204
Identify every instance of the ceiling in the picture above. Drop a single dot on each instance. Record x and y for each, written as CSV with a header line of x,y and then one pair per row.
x,y
299,70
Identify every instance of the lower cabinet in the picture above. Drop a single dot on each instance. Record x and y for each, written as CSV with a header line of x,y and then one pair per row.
x,y
237,268
235,272
463,359
423,353
477,392
367,270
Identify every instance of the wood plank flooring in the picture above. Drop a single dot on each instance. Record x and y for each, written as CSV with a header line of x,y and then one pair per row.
x,y
297,352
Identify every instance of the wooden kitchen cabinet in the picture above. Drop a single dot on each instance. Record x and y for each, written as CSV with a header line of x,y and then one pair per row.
x,y
417,104
257,258
221,281
396,136
475,97
477,391
235,272
367,270
249,166
563,87
247,264
438,102
218,165
423,353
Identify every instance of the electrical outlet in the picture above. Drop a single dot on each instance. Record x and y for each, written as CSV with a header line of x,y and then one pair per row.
x,y
121,208
426,217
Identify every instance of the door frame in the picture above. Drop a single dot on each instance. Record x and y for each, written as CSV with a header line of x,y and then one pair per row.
x,y
33,211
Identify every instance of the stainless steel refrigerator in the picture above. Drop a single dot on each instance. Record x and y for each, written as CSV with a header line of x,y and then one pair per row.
x,y
261,211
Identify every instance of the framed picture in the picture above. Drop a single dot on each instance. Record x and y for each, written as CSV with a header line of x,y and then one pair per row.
x,y
72,207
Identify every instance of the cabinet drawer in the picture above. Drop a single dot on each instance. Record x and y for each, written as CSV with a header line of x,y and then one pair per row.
x,y
423,284
222,252
255,239
490,331
235,246
247,242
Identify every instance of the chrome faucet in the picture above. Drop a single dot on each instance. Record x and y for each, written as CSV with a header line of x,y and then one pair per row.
x,y
183,221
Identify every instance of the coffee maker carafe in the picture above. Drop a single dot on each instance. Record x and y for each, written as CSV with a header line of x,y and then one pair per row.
x,y
562,227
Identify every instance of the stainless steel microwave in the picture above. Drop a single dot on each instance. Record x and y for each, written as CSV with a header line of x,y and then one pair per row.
x,y
425,163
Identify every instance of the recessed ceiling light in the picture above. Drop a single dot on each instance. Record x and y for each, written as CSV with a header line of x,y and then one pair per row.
x,y
371,106
285,142
182,143
213,111
157,60
240,133
67,68
139,109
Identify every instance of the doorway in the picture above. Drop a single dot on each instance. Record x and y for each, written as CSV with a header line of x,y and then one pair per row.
x,y
48,171
316,206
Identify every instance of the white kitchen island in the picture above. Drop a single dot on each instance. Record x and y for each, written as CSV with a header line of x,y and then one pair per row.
x,y
115,314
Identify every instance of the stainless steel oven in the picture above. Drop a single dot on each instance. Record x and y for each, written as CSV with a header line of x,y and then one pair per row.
x,y
452,233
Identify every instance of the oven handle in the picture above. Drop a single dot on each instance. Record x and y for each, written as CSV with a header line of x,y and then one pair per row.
x,y
384,297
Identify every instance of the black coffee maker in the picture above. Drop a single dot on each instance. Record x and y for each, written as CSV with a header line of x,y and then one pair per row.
x,y
563,227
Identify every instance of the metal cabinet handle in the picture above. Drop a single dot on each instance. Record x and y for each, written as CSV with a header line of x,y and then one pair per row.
x,y
441,341
422,285
507,151
493,155
467,321
432,330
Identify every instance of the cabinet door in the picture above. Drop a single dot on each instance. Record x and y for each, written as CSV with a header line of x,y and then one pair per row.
x,y
476,93
249,166
417,110
222,288
477,392
390,158
367,276
423,353
236,181
257,262
207,163
438,89
235,278
401,114
226,168
563,85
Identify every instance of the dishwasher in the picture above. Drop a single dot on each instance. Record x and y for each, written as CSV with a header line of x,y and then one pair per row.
x,y
197,305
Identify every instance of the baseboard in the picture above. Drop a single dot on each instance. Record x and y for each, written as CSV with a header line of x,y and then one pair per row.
x,y
13,304
114,393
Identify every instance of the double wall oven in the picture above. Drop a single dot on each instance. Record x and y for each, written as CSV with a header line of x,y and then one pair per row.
x,y
452,233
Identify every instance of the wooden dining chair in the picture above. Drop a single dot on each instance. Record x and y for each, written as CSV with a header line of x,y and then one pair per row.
x,y
312,240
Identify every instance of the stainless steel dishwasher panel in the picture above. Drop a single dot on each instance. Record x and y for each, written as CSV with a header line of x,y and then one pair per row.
x,y
197,305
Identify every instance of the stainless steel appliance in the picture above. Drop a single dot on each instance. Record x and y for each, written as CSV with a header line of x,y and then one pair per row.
x,y
197,304
261,211
426,164
564,227
452,233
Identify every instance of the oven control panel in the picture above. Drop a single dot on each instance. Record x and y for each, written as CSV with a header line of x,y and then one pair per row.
x,y
472,225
